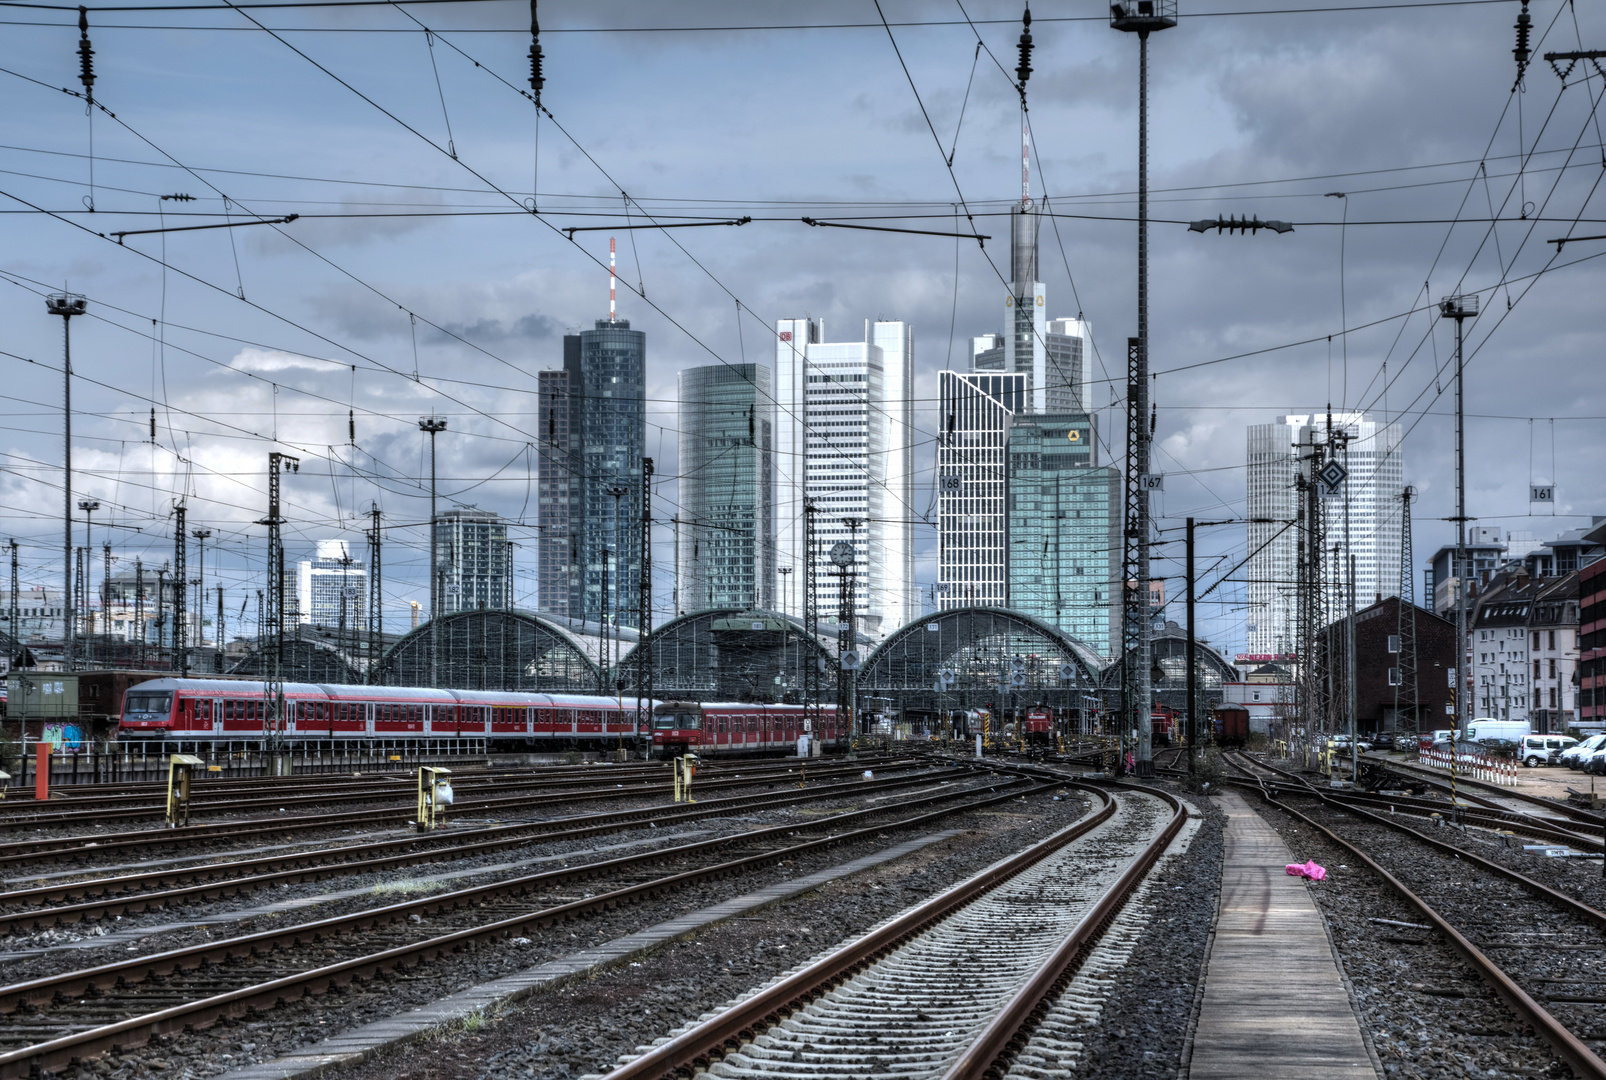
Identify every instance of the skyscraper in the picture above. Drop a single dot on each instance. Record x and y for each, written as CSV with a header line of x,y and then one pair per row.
x,y
1064,528
593,418
474,560
326,579
725,525
558,495
973,486
1362,518
844,440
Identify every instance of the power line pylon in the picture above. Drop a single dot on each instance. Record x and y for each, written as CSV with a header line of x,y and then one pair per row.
x,y
644,660
181,652
811,623
1405,678
376,604
273,715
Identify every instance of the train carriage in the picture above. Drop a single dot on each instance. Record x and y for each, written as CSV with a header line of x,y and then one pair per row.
x,y
724,727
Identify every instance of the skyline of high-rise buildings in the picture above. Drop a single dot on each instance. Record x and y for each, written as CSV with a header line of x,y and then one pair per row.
x,y
333,574
474,560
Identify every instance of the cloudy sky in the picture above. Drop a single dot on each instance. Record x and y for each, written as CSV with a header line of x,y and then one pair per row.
x,y
414,282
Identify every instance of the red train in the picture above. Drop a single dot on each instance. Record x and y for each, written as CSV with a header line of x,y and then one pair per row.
x,y
725,727
1163,725
1040,725
218,711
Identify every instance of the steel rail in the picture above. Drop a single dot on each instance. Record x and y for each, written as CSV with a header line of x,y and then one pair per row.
x,y
77,847
136,1031
1421,772
40,991
304,867
400,792
1568,1046
698,1047
1006,1034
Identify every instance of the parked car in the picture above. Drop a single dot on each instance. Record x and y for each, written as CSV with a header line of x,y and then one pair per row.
x,y
1536,750
1341,743
1573,757
1483,728
1594,763
1383,740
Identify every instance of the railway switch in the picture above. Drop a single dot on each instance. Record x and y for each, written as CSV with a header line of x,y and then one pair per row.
x,y
180,770
434,796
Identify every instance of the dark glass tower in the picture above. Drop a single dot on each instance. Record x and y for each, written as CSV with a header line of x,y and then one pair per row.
x,y
609,429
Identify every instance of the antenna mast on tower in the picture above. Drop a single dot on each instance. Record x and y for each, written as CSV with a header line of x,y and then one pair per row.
x,y
613,310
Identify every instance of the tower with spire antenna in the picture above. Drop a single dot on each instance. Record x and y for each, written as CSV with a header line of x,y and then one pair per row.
x,y
601,395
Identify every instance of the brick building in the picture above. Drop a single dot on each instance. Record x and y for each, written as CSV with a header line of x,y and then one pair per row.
x,y
1377,669
1592,640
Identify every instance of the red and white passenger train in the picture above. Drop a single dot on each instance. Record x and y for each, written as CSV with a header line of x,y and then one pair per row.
x,y
220,711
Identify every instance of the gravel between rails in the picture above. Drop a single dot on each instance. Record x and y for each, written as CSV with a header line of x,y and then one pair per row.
x,y
228,1044
1428,1014
582,1027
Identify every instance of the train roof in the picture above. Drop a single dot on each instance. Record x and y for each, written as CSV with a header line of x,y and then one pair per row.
x,y
223,687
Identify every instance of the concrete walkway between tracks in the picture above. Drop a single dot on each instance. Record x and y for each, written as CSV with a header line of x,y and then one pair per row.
x,y
1275,1002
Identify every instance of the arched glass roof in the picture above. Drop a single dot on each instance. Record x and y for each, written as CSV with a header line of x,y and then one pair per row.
x,y
490,650
730,654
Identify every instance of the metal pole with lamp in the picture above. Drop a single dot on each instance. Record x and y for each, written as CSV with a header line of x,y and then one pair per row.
x,y
66,305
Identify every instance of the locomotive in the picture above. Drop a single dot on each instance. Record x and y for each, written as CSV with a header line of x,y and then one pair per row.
x,y
714,728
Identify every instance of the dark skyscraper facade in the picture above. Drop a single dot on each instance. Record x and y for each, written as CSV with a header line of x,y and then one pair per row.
x,y
558,495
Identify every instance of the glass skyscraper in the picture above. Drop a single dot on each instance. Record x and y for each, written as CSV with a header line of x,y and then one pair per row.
x,y
725,525
612,412
973,484
1064,529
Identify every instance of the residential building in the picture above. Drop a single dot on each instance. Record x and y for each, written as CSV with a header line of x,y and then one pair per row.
x,y
725,521
1062,541
1592,638
1362,519
474,560
1522,637
558,488
844,445
1485,552
332,587
973,486
39,613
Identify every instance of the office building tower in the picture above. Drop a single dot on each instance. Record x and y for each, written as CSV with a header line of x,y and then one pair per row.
x,y
594,423
973,486
333,582
1362,518
474,561
844,441
558,494
725,523
1064,529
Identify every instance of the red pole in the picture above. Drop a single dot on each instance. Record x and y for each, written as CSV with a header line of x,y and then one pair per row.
x,y
41,770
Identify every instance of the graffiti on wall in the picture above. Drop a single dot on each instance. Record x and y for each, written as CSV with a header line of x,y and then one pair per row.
x,y
65,737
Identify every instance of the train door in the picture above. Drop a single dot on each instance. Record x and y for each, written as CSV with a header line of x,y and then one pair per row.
x,y
214,709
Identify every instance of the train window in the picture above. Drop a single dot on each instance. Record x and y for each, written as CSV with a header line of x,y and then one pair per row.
x,y
688,721
150,703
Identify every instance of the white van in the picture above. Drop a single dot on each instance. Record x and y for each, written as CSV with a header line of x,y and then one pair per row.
x,y
1484,728
1539,750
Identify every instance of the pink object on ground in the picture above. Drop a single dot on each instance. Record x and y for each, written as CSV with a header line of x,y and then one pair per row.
x,y
1307,870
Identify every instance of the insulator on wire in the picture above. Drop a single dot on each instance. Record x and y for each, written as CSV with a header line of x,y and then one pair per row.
x,y
86,55
153,425
351,426
1023,70
537,80
1522,52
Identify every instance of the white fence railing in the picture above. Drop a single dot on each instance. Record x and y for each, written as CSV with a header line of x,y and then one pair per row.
x,y
1475,766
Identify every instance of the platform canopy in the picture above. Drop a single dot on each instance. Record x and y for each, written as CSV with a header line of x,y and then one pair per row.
x,y
304,661
491,650
978,655
728,654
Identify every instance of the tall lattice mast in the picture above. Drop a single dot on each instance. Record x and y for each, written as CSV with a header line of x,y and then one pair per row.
x,y
181,652
644,660
376,602
811,620
1405,682
273,714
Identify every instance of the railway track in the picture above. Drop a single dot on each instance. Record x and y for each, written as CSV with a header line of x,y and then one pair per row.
x,y
127,894
50,1022
939,988
119,807
45,850
1478,907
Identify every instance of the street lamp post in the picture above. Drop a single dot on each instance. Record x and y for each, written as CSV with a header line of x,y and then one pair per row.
x,y
66,305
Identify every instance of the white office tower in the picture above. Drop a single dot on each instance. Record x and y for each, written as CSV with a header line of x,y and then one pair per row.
x,y
973,486
1272,567
1362,518
332,578
844,440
